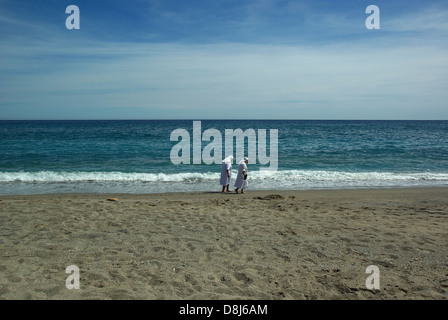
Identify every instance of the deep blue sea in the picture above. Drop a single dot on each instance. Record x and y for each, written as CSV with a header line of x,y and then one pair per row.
x,y
134,156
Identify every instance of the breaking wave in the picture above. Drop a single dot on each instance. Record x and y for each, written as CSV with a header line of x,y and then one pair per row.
x,y
31,182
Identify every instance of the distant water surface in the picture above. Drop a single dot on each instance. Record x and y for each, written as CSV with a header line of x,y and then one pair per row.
x,y
134,156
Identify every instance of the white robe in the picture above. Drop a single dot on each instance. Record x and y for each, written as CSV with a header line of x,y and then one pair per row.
x,y
240,183
225,180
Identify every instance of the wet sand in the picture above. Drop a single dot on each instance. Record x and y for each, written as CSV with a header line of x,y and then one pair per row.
x,y
290,245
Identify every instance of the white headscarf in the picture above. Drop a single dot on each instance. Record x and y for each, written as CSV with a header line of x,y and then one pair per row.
x,y
228,159
244,159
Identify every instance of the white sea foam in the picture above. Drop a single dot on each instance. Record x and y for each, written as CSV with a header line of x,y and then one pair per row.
x,y
286,179
51,176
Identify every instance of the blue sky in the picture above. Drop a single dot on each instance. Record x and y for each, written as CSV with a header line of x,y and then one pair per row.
x,y
227,59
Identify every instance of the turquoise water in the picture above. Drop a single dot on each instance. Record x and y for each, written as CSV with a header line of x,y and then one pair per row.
x,y
134,156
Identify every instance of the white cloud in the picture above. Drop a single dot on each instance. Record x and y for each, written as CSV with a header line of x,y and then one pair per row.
x,y
429,19
206,80
378,75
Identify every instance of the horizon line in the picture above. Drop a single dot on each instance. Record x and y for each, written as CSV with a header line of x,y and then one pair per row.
x,y
213,119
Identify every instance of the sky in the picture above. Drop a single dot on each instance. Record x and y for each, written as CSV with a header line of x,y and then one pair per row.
x,y
223,59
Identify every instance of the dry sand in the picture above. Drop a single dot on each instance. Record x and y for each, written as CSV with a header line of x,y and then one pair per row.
x,y
259,245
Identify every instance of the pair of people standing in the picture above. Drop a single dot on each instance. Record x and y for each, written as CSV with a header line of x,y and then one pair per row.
x,y
226,173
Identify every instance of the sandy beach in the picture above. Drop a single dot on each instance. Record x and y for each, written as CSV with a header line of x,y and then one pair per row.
x,y
290,245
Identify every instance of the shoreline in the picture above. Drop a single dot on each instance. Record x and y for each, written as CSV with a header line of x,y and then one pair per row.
x,y
261,245
217,191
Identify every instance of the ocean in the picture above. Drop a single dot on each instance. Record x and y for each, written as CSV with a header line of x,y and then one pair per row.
x,y
135,156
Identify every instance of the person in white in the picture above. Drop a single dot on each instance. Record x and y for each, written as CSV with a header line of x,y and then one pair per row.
x,y
241,178
226,173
